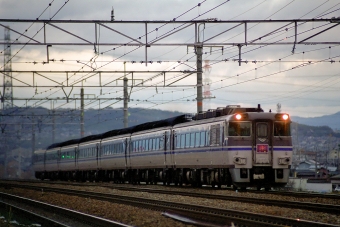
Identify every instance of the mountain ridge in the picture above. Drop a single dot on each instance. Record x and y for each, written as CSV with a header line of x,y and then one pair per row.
x,y
332,120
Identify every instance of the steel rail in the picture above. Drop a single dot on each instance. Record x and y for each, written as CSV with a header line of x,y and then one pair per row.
x,y
36,218
326,208
200,212
82,217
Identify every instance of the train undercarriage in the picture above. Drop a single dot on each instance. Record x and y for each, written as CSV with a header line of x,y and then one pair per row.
x,y
260,177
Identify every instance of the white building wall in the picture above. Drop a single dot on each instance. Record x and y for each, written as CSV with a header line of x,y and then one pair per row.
x,y
319,187
300,184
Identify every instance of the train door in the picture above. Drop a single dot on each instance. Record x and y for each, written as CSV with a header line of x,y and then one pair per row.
x,y
58,158
127,151
75,157
168,159
262,150
98,155
171,146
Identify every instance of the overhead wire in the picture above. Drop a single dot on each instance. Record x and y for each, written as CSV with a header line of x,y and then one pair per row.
x,y
193,7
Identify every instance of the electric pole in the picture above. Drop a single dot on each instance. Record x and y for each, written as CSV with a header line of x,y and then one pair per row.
x,y
7,95
126,99
81,112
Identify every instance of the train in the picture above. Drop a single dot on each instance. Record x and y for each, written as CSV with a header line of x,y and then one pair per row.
x,y
232,146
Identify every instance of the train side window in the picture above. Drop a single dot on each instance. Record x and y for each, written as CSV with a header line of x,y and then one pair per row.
x,y
187,140
151,146
202,140
182,140
143,145
146,145
140,143
161,143
178,141
137,146
192,139
281,129
156,144
197,139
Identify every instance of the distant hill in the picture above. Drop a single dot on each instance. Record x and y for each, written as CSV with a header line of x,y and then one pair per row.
x,y
333,121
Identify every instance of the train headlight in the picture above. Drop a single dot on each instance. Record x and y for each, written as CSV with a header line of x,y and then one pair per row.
x,y
285,117
281,117
238,116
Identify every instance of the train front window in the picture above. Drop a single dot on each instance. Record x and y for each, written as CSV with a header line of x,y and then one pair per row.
x,y
239,129
281,129
262,129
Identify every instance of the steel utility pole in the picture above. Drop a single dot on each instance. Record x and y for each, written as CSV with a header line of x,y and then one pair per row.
x,y
7,94
199,71
126,99
53,126
81,112
33,136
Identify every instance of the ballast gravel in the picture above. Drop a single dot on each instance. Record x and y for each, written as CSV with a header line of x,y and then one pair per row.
x,y
143,217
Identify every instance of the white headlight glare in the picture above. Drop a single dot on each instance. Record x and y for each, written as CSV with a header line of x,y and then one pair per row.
x,y
285,116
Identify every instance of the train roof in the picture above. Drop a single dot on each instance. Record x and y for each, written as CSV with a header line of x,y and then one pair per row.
x,y
211,113
116,132
228,110
63,144
149,125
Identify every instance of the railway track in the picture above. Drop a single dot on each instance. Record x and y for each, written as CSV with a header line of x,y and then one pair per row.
x,y
326,208
28,215
69,217
195,212
134,188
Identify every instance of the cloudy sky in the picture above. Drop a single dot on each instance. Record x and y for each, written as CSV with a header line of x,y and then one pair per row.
x,y
305,83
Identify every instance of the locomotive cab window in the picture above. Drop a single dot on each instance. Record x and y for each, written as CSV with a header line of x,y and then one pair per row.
x,y
239,129
262,129
281,129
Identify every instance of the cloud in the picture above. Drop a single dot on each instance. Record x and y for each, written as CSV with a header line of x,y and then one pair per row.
x,y
269,74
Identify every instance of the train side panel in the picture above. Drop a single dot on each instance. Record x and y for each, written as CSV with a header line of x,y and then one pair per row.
x,y
199,146
113,153
87,157
52,160
148,150
39,163
68,158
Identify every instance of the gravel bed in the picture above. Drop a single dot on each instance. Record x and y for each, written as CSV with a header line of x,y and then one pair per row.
x,y
121,213
141,217
53,216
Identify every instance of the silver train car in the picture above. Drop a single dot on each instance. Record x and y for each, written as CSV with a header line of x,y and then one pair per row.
x,y
243,147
